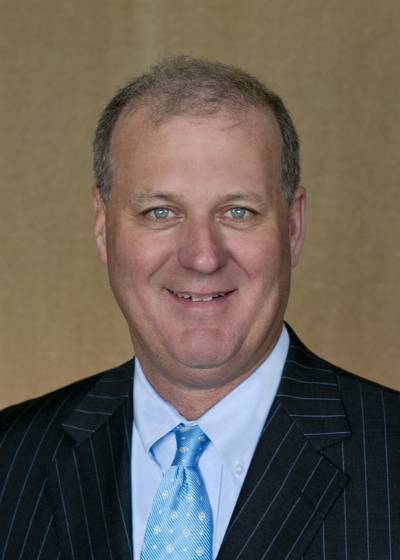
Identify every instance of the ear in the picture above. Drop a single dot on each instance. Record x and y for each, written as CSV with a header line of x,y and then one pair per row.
x,y
297,224
99,223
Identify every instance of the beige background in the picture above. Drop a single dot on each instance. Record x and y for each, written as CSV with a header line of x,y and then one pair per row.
x,y
335,63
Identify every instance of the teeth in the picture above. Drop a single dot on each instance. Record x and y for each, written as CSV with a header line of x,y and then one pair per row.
x,y
205,298
186,295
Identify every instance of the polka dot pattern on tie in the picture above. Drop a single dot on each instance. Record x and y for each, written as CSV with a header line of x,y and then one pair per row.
x,y
180,522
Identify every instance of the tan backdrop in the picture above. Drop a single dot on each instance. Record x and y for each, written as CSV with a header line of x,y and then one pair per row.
x,y
336,64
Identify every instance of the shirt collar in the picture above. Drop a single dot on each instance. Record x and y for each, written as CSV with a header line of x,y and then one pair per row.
x,y
154,417
233,425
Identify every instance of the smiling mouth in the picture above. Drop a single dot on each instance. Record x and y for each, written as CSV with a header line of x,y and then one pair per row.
x,y
198,297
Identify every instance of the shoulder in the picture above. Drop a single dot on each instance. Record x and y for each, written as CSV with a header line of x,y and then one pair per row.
x,y
371,406
42,417
302,356
361,397
350,381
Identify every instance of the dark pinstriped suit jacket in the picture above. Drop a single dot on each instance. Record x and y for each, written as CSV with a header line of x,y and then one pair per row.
x,y
324,482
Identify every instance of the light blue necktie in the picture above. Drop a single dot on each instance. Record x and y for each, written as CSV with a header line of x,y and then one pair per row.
x,y
180,522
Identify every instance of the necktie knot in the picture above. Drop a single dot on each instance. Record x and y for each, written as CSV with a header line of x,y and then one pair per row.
x,y
190,442
180,522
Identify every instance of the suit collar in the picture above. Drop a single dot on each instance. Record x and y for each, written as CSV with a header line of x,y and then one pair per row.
x,y
289,488
308,391
112,389
290,485
310,394
90,477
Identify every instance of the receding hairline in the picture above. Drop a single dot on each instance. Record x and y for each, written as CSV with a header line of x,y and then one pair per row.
x,y
153,110
198,87
147,119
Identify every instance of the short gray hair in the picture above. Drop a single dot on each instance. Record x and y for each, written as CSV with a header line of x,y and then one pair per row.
x,y
186,85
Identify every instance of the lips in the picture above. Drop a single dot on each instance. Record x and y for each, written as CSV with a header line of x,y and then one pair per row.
x,y
195,297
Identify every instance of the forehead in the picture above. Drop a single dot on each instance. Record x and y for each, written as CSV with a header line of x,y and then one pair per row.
x,y
139,126
186,149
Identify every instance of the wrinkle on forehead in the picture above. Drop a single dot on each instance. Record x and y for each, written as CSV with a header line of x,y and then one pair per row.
x,y
136,137
139,120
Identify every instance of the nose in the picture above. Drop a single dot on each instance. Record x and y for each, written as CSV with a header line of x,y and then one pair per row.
x,y
201,248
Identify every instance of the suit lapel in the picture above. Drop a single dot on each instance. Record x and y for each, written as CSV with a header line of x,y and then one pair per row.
x,y
89,479
290,485
289,488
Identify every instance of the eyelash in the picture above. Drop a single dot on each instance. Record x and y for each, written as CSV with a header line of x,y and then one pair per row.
x,y
246,210
151,213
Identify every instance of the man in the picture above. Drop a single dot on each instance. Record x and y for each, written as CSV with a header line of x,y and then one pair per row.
x,y
199,217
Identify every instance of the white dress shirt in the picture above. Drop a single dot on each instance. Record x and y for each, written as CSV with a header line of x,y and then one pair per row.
x,y
233,426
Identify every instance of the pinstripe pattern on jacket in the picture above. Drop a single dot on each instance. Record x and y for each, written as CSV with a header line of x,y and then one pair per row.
x,y
323,482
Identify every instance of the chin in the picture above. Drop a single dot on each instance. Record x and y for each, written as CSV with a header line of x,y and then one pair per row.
x,y
202,361
203,352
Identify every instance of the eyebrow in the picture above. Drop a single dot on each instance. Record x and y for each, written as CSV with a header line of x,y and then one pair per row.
x,y
147,197
244,195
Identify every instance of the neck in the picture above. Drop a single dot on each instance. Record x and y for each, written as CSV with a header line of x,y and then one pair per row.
x,y
193,391
189,397
193,403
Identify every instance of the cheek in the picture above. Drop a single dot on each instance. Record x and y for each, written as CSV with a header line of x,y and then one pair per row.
x,y
263,259
134,260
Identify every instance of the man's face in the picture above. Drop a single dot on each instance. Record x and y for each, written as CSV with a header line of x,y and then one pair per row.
x,y
199,243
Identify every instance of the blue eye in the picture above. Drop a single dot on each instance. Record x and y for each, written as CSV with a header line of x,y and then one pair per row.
x,y
238,213
160,213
